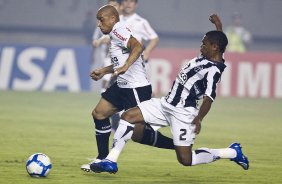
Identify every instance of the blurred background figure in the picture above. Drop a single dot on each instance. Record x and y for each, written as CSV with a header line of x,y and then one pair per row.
x,y
238,36
88,25
141,28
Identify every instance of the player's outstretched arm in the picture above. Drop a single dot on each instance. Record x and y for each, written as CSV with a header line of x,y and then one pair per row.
x,y
135,51
214,18
97,74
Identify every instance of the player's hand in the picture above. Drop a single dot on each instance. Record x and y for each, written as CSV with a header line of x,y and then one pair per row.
x,y
197,122
120,70
96,74
214,18
145,56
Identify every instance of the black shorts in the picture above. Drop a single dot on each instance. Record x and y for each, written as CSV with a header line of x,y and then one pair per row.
x,y
126,98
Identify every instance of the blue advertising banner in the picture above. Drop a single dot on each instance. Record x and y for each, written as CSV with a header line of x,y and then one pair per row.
x,y
44,68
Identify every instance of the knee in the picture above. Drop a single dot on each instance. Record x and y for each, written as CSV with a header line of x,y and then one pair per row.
x,y
127,116
94,113
97,115
184,161
135,139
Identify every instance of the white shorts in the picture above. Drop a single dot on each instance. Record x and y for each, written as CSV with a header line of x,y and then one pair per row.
x,y
160,114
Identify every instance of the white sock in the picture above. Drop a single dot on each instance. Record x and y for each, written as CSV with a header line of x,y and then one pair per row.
x,y
206,155
122,135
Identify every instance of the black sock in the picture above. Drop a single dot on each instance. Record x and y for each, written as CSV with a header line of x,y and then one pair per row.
x,y
156,139
103,132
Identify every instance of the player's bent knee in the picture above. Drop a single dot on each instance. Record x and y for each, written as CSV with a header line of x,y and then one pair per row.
x,y
97,115
184,160
127,116
135,139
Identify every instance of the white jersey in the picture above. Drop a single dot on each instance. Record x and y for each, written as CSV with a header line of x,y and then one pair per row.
x,y
140,26
135,76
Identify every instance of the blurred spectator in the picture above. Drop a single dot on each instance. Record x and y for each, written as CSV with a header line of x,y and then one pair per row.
x,y
140,26
239,38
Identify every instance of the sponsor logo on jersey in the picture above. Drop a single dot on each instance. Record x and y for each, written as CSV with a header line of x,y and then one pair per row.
x,y
121,83
119,36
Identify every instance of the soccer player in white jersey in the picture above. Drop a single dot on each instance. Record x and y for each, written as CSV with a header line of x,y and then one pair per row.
x,y
196,80
141,28
101,42
131,86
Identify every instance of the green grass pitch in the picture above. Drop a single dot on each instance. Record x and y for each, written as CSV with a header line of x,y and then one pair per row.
x,y
60,125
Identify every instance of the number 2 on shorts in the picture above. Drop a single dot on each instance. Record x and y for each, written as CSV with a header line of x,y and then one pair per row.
x,y
184,132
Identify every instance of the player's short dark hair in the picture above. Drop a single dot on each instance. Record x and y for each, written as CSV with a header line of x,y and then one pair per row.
x,y
219,38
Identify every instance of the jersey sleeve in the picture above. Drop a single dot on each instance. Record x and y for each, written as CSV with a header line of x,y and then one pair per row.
x,y
148,32
212,80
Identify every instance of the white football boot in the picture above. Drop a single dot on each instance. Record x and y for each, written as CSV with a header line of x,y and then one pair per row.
x,y
86,167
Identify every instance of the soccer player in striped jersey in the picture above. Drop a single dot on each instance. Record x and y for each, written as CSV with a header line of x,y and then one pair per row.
x,y
196,80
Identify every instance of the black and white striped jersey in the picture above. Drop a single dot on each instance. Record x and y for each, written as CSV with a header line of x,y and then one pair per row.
x,y
196,79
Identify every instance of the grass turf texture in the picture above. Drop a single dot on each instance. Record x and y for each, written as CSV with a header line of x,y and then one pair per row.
x,y
60,125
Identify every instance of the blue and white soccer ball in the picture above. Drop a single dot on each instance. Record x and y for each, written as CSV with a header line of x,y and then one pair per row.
x,y
38,165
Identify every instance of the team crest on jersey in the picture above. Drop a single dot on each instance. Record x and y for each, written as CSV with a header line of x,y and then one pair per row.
x,y
182,77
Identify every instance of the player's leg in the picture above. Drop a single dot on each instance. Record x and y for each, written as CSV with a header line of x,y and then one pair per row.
x,y
101,114
147,135
122,135
187,157
108,105
144,133
129,119
184,135
147,111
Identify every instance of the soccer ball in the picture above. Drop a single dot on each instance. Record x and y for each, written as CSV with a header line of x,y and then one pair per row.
x,y
38,165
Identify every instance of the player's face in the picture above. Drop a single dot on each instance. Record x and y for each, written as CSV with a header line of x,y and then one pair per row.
x,y
129,6
206,47
105,22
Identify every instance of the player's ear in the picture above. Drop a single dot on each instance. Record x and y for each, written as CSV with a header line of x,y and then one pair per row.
x,y
215,47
